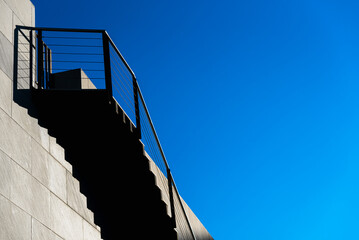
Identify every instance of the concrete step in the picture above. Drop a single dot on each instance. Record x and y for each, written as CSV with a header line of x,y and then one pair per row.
x,y
76,200
58,153
28,117
108,160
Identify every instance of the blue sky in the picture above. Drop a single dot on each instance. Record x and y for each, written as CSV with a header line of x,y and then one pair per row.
x,y
256,104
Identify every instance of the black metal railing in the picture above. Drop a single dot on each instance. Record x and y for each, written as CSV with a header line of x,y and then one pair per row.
x,y
45,52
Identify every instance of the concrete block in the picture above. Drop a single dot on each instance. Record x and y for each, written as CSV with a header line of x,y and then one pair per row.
x,y
29,194
76,200
59,154
71,79
40,232
21,116
57,178
64,221
86,82
72,183
5,174
6,20
43,137
5,92
30,124
14,141
15,223
22,9
39,163
90,232
6,56
16,21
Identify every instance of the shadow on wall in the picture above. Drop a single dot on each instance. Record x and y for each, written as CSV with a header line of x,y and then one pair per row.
x,y
24,70
26,74
100,144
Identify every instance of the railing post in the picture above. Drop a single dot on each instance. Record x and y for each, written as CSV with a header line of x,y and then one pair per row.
x,y
46,80
31,62
170,190
49,67
107,64
137,109
40,60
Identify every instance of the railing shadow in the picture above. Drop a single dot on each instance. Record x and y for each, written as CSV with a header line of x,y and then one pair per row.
x,y
24,69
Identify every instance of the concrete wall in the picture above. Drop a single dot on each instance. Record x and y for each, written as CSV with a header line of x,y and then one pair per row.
x,y
39,197
198,228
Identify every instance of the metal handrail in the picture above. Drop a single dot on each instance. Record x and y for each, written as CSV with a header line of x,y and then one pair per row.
x,y
60,29
120,55
137,96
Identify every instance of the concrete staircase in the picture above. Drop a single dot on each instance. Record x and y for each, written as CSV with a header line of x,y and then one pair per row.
x,y
109,162
43,169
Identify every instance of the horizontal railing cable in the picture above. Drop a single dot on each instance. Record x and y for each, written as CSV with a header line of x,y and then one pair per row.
x,y
122,83
59,37
73,53
73,45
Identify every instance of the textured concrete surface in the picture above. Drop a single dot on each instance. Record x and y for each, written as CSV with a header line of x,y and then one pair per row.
x,y
22,9
5,175
59,153
39,197
65,221
29,194
39,163
5,93
5,18
15,141
15,223
90,232
57,178
41,232
76,200
30,125
6,56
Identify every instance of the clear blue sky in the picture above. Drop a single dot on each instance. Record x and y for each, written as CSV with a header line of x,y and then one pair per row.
x,y
256,104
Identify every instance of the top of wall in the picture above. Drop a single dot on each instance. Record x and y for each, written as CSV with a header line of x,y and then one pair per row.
x,y
19,12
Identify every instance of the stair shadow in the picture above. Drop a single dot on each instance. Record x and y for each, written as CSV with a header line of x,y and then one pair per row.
x,y
108,160
105,153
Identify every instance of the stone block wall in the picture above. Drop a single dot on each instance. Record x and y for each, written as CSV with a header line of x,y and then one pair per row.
x,y
39,197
